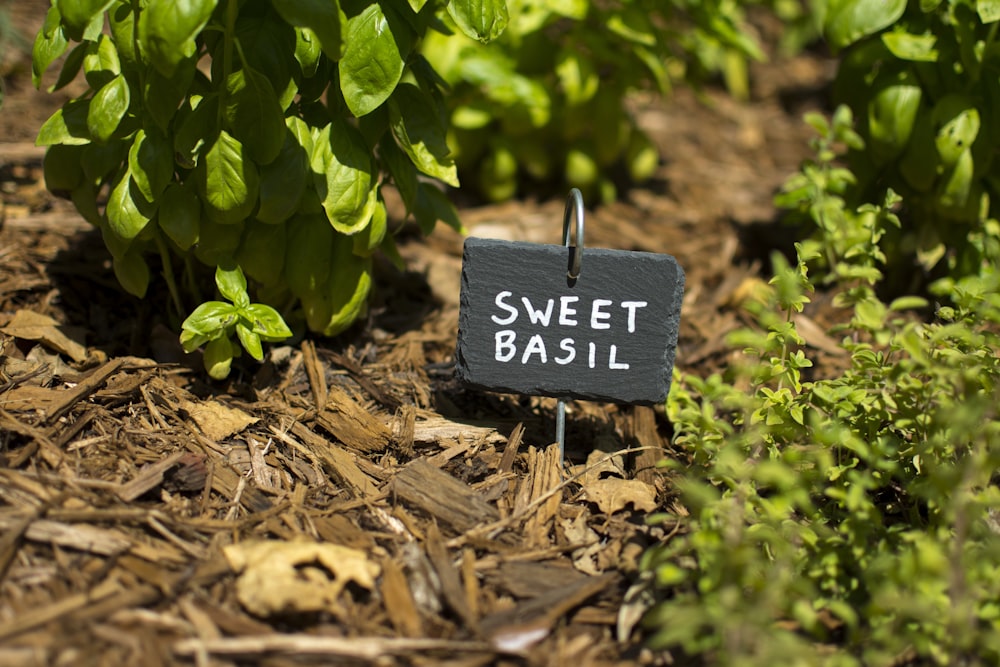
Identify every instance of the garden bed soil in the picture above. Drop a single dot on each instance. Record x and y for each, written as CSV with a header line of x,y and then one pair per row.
x,y
347,501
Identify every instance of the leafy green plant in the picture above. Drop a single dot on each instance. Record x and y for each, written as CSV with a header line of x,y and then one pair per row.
x,y
546,101
845,520
214,323
254,134
923,80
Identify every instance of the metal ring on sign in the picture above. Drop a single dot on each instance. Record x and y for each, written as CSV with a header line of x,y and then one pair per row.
x,y
574,204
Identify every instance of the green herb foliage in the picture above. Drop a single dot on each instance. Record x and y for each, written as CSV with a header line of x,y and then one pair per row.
x,y
254,136
849,520
923,81
546,100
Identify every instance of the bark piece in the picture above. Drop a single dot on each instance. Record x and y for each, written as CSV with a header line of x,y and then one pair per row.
x,y
646,435
399,603
442,496
352,424
529,622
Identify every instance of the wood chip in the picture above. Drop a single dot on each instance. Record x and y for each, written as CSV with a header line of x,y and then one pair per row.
x,y
529,622
399,603
351,423
646,435
149,477
29,325
442,496
543,481
304,646
451,583
340,463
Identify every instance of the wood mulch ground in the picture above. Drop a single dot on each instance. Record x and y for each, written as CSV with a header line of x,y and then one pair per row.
x,y
347,502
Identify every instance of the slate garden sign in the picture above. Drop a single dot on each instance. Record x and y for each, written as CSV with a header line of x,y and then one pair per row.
x,y
568,322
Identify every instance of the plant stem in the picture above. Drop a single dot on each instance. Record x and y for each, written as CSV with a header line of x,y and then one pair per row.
x,y
168,273
189,278
232,8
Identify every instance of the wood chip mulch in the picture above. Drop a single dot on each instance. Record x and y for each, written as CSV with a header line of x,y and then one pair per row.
x,y
325,510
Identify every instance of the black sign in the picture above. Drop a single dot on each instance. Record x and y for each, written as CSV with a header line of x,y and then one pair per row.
x,y
525,327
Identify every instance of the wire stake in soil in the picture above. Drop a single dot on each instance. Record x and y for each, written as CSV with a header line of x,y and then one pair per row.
x,y
574,205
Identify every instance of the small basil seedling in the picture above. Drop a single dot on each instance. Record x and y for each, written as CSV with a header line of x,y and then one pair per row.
x,y
213,324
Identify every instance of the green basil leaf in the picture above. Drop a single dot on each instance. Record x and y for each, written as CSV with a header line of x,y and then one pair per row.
x,y
344,298
250,341
132,272
122,23
433,205
283,181
370,238
372,126
307,51
151,161
254,114
376,46
128,214
85,200
217,242
232,284
101,63
66,126
482,20
312,89
847,21
63,168
526,102
191,341
108,108
573,9
218,357
161,95
892,113
115,244
77,15
102,160
210,317
301,131
577,77
180,215
988,10
418,129
957,184
71,67
167,29
268,46
266,322
402,170
227,180
50,43
197,127
344,176
308,254
261,254
323,17
918,48
957,121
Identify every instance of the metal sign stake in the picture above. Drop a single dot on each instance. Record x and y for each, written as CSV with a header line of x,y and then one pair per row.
x,y
574,205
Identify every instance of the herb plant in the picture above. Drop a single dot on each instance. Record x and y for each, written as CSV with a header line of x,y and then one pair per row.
x,y
546,101
923,81
844,520
252,135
